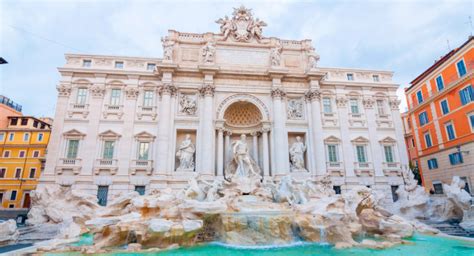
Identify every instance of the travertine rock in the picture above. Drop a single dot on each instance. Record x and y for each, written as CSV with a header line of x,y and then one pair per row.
x,y
8,232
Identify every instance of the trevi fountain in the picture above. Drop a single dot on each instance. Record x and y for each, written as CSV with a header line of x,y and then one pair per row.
x,y
274,195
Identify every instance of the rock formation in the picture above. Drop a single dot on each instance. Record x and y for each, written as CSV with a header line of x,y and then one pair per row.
x,y
8,232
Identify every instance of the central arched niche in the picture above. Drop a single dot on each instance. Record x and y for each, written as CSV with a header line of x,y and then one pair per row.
x,y
242,116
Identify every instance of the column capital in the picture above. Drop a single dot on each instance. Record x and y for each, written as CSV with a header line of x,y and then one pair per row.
x,y
227,132
278,93
255,133
394,103
207,90
265,130
168,89
341,101
131,92
64,90
368,102
313,94
97,91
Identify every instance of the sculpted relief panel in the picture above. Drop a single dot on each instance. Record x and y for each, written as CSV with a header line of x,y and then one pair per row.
x,y
187,104
295,109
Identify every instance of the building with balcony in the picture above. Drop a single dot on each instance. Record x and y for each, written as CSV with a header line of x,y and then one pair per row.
x,y
440,119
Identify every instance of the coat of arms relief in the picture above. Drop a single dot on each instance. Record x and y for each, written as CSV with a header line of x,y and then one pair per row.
x,y
242,27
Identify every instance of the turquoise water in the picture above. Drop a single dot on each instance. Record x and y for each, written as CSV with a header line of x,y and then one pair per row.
x,y
423,245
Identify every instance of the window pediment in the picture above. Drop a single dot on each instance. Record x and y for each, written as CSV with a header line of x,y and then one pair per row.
x,y
72,134
144,136
360,140
109,134
388,140
332,139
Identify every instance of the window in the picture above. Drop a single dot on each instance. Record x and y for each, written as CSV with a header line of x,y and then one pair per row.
x,y
148,99
423,118
388,154
40,136
337,189
413,142
2,136
11,206
438,188
471,120
3,172
140,190
350,77
32,173
21,154
332,153
6,153
143,150
467,95
108,149
13,195
24,121
81,96
119,64
11,137
456,158
115,97
428,140
72,148
150,66
354,106
86,63
461,68
36,153
432,163
380,107
327,107
26,136
361,154
376,78
439,83
102,193
18,173
35,124
14,121
394,193
450,131
444,106
419,97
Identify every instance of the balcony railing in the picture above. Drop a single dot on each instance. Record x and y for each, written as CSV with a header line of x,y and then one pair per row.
x,y
147,108
332,165
70,161
391,165
78,106
114,107
356,115
106,162
362,165
145,165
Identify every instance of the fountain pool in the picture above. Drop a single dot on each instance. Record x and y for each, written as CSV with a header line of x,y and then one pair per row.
x,y
421,245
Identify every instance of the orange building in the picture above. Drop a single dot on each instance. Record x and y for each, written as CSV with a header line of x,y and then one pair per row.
x,y
8,108
440,119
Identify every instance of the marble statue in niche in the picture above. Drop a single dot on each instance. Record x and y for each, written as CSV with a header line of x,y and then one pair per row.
x,y
295,109
297,150
208,52
185,154
275,55
187,105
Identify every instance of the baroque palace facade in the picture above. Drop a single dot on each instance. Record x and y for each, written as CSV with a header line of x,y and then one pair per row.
x,y
125,123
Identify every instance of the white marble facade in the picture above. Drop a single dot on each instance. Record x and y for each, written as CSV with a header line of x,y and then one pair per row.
x,y
128,117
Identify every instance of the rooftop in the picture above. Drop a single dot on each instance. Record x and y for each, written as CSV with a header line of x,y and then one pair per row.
x,y
10,103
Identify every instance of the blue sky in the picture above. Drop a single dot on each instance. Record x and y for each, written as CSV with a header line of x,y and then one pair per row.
x,y
403,36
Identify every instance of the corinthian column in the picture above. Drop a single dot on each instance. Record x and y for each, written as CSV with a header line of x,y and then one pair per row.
x,y
220,151
207,133
265,155
227,150
166,92
255,146
280,138
314,96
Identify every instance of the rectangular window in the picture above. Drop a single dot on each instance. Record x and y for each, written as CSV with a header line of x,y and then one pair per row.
x,y
24,121
439,83
148,98
438,188
332,153
461,68
81,96
115,97
140,190
376,78
450,131
419,97
428,140
18,173
26,136
35,124
471,121
108,149
444,106
354,106
13,195
150,66
361,155
413,142
21,154
394,193
350,77
143,150
3,172
327,107
6,153
32,173
86,63
40,136
432,163
388,154
2,136
14,121
36,153
380,107
119,64
456,158
72,149
423,118
466,95
11,136
102,194
337,189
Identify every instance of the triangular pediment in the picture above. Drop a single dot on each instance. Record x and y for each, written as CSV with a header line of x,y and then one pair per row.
x,y
74,133
332,139
144,135
109,134
360,139
388,140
